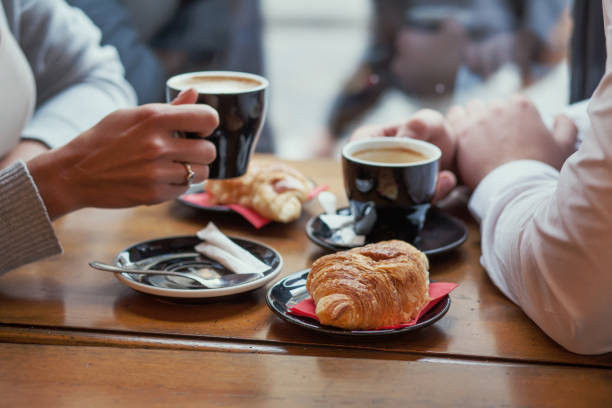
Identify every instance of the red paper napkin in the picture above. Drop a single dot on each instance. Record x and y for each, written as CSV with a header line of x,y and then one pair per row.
x,y
204,199
437,290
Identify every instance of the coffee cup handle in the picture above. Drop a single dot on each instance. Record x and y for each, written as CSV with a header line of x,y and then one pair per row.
x,y
365,216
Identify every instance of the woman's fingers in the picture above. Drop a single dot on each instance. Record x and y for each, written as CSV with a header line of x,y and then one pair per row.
x,y
180,173
199,151
186,96
197,118
156,175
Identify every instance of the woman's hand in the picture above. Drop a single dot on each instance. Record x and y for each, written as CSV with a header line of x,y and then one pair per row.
x,y
25,150
130,157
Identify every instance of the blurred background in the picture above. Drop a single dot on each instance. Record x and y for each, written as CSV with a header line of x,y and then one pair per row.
x,y
334,65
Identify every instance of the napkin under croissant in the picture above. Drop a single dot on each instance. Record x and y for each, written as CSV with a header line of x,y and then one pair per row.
x,y
378,285
275,190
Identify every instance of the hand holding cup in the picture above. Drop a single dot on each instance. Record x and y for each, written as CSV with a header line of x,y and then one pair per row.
x,y
390,184
129,158
427,125
241,101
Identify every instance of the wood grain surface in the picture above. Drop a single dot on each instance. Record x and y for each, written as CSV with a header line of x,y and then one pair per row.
x,y
36,375
63,293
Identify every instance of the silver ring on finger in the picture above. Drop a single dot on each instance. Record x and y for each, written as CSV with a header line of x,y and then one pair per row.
x,y
189,175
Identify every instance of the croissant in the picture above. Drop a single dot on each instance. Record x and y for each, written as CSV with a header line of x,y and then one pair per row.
x,y
378,285
274,190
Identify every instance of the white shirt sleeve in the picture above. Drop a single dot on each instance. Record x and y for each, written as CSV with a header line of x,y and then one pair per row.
x,y
26,233
78,82
547,235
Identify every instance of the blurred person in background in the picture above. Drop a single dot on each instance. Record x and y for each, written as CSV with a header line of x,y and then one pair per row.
x,y
161,38
434,49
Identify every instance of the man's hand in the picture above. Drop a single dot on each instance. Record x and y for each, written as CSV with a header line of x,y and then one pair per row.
x,y
491,135
427,125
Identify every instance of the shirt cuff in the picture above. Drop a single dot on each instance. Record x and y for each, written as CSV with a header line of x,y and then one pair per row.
x,y
26,233
503,178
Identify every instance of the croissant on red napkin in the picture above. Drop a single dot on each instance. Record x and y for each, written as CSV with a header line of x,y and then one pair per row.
x,y
378,285
275,190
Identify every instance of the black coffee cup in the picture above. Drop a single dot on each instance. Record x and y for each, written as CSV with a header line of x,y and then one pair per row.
x,y
390,183
241,100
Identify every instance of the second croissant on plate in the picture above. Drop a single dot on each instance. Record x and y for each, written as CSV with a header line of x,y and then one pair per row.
x,y
275,190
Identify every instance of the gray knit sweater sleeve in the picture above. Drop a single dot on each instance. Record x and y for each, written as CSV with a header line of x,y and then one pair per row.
x,y
26,233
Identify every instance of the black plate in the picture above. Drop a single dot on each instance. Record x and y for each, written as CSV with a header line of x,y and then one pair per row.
x,y
291,290
178,254
441,233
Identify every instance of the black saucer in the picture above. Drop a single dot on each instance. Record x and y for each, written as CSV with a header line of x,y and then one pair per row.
x,y
441,233
291,290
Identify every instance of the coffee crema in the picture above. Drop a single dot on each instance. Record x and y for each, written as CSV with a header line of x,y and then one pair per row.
x,y
389,155
217,84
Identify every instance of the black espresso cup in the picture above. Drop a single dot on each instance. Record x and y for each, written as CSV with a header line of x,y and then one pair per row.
x,y
390,183
241,100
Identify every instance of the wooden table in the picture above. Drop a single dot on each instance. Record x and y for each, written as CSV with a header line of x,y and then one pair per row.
x,y
78,336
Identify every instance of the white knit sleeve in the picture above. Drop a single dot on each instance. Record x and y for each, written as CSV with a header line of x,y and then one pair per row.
x,y
26,233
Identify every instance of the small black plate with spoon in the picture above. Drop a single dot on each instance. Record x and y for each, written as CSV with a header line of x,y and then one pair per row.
x,y
177,254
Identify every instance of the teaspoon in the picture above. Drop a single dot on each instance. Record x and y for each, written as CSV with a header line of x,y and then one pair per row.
x,y
223,281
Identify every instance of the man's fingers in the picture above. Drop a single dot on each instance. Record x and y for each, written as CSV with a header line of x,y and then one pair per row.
x,y
370,131
415,128
565,132
425,124
366,132
447,181
475,107
391,130
457,116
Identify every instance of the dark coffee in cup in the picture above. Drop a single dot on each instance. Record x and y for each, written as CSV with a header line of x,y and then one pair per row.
x,y
390,183
241,101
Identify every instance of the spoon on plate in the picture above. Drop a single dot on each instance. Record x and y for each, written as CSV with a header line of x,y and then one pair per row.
x,y
223,281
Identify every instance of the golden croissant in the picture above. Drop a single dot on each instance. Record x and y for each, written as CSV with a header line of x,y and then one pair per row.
x,y
378,285
274,190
